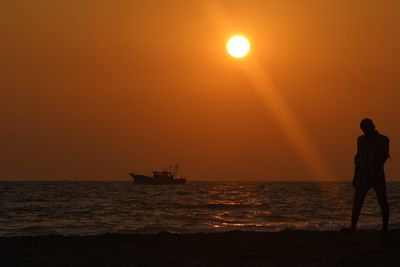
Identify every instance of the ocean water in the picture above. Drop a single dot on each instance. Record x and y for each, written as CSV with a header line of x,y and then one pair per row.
x,y
85,208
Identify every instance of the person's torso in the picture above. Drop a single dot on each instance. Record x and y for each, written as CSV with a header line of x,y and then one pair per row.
x,y
371,154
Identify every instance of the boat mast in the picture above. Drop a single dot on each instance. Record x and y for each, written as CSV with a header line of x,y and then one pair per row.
x,y
176,170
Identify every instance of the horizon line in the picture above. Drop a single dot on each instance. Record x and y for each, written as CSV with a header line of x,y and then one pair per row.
x,y
192,180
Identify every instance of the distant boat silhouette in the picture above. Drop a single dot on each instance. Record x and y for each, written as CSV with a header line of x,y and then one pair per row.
x,y
159,177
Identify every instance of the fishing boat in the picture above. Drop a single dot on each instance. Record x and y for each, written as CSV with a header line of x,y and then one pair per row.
x,y
160,177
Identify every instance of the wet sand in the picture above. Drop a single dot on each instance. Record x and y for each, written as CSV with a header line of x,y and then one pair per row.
x,y
287,248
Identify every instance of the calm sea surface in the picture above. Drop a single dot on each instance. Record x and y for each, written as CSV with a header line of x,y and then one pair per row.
x,y
82,208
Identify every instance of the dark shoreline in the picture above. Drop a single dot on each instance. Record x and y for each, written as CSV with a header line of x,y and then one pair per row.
x,y
286,248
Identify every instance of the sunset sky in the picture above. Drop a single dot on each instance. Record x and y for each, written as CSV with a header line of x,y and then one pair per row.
x,y
94,89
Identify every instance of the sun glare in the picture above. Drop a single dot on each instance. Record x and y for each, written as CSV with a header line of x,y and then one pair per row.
x,y
238,46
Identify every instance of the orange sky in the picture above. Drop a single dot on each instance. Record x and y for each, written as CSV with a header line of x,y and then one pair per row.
x,y
95,89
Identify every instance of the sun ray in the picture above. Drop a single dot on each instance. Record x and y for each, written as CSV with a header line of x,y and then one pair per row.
x,y
276,104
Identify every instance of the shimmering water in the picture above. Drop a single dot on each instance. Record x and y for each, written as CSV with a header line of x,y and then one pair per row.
x,y
81,208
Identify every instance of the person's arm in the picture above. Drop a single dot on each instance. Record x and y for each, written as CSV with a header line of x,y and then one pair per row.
x,y
385,148
356,162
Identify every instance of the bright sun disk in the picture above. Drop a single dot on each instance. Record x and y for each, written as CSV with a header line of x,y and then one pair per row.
x,y
238,46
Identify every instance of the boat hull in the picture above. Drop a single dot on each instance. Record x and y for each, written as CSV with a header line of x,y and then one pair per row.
x,y
143,179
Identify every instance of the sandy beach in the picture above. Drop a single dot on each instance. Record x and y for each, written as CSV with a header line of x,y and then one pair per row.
x,y
287,248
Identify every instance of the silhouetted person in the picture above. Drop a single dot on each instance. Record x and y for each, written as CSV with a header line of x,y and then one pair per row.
x,y
372,153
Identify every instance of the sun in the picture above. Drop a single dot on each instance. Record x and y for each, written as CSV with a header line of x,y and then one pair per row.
x,y
238,46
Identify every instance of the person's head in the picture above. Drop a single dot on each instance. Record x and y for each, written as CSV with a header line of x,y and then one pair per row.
x,y
367,126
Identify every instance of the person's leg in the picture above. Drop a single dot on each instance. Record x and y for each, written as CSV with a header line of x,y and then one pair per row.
x,y
380,190
359,197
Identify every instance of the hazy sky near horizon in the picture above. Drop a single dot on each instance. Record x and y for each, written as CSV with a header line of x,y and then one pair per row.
x,y
93,89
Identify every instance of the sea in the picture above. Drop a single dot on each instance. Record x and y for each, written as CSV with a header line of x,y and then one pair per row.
x,y
90,208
